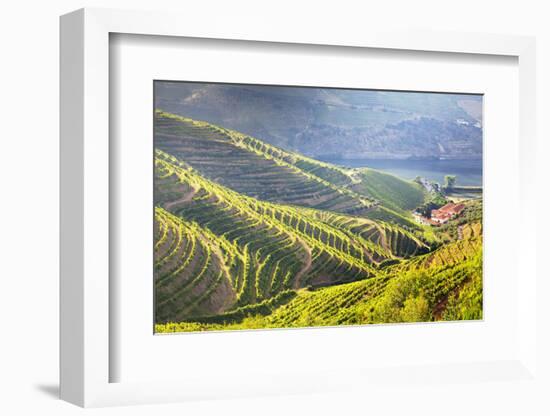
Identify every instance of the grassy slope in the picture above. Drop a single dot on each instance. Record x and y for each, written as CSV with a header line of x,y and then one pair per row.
x,y
448,290
265,248
396,198
190,274
242,231
256,169
472,214
392,192
295,179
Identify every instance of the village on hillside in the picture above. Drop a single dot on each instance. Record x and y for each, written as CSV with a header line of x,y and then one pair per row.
x,y
448,201
440,216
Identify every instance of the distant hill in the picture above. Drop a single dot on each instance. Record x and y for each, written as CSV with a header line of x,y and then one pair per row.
x,y
335,123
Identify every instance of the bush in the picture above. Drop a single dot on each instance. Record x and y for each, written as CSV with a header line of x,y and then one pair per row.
x,y
404,300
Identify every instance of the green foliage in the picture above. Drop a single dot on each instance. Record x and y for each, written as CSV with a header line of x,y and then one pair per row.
x,y
403,300
392,192
434,200
416,309
384,214
188,269
263,308
450,182
277,240
210,233
254,168
472,214
450,291
388,262
467,303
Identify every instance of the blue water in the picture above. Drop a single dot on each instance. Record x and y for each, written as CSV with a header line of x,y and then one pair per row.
x,y
467,172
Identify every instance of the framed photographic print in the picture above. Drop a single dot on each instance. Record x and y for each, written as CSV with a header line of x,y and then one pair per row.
x,y
279,213
337,207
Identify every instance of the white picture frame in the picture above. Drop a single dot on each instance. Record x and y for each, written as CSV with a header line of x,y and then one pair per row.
x,y
85,353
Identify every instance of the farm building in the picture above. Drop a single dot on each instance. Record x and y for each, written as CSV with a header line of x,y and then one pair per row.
x,y
419,218
446,212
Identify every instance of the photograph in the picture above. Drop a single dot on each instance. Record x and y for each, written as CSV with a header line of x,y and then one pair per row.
x,y
304,206
220,208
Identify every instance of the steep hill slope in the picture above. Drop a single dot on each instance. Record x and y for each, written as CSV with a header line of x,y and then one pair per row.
x,y
392,192
190,273
444,285
257,169
261,248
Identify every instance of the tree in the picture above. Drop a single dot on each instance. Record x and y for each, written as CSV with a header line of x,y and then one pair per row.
x,y
416,309
450,181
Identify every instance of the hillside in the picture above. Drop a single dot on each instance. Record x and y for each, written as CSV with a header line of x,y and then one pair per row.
x,y
449,289
395,198
392,192
252,167
261,248
190,273
248,235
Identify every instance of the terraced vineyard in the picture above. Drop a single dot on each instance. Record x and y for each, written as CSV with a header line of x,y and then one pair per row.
x,y
190,273
442,292
256,169
265,247
248,235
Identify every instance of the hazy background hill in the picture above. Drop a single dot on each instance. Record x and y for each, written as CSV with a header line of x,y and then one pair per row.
x,y
334,123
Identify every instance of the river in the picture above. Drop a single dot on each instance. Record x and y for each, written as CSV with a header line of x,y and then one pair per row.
x,y
467,172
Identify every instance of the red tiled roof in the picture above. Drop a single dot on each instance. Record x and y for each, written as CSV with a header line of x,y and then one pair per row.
x,y
441,215
458,208
448,210
452,208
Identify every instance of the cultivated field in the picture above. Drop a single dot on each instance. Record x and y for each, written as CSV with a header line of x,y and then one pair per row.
x,y
248,235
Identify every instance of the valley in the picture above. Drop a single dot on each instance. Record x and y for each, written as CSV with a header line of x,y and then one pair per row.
x,y
334,123
249,235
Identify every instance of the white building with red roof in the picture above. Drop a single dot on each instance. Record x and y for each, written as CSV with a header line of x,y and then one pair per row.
x,y
446,212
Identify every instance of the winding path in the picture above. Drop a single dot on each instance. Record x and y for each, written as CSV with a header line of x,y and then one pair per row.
x,y
460,232
306,267
186,198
